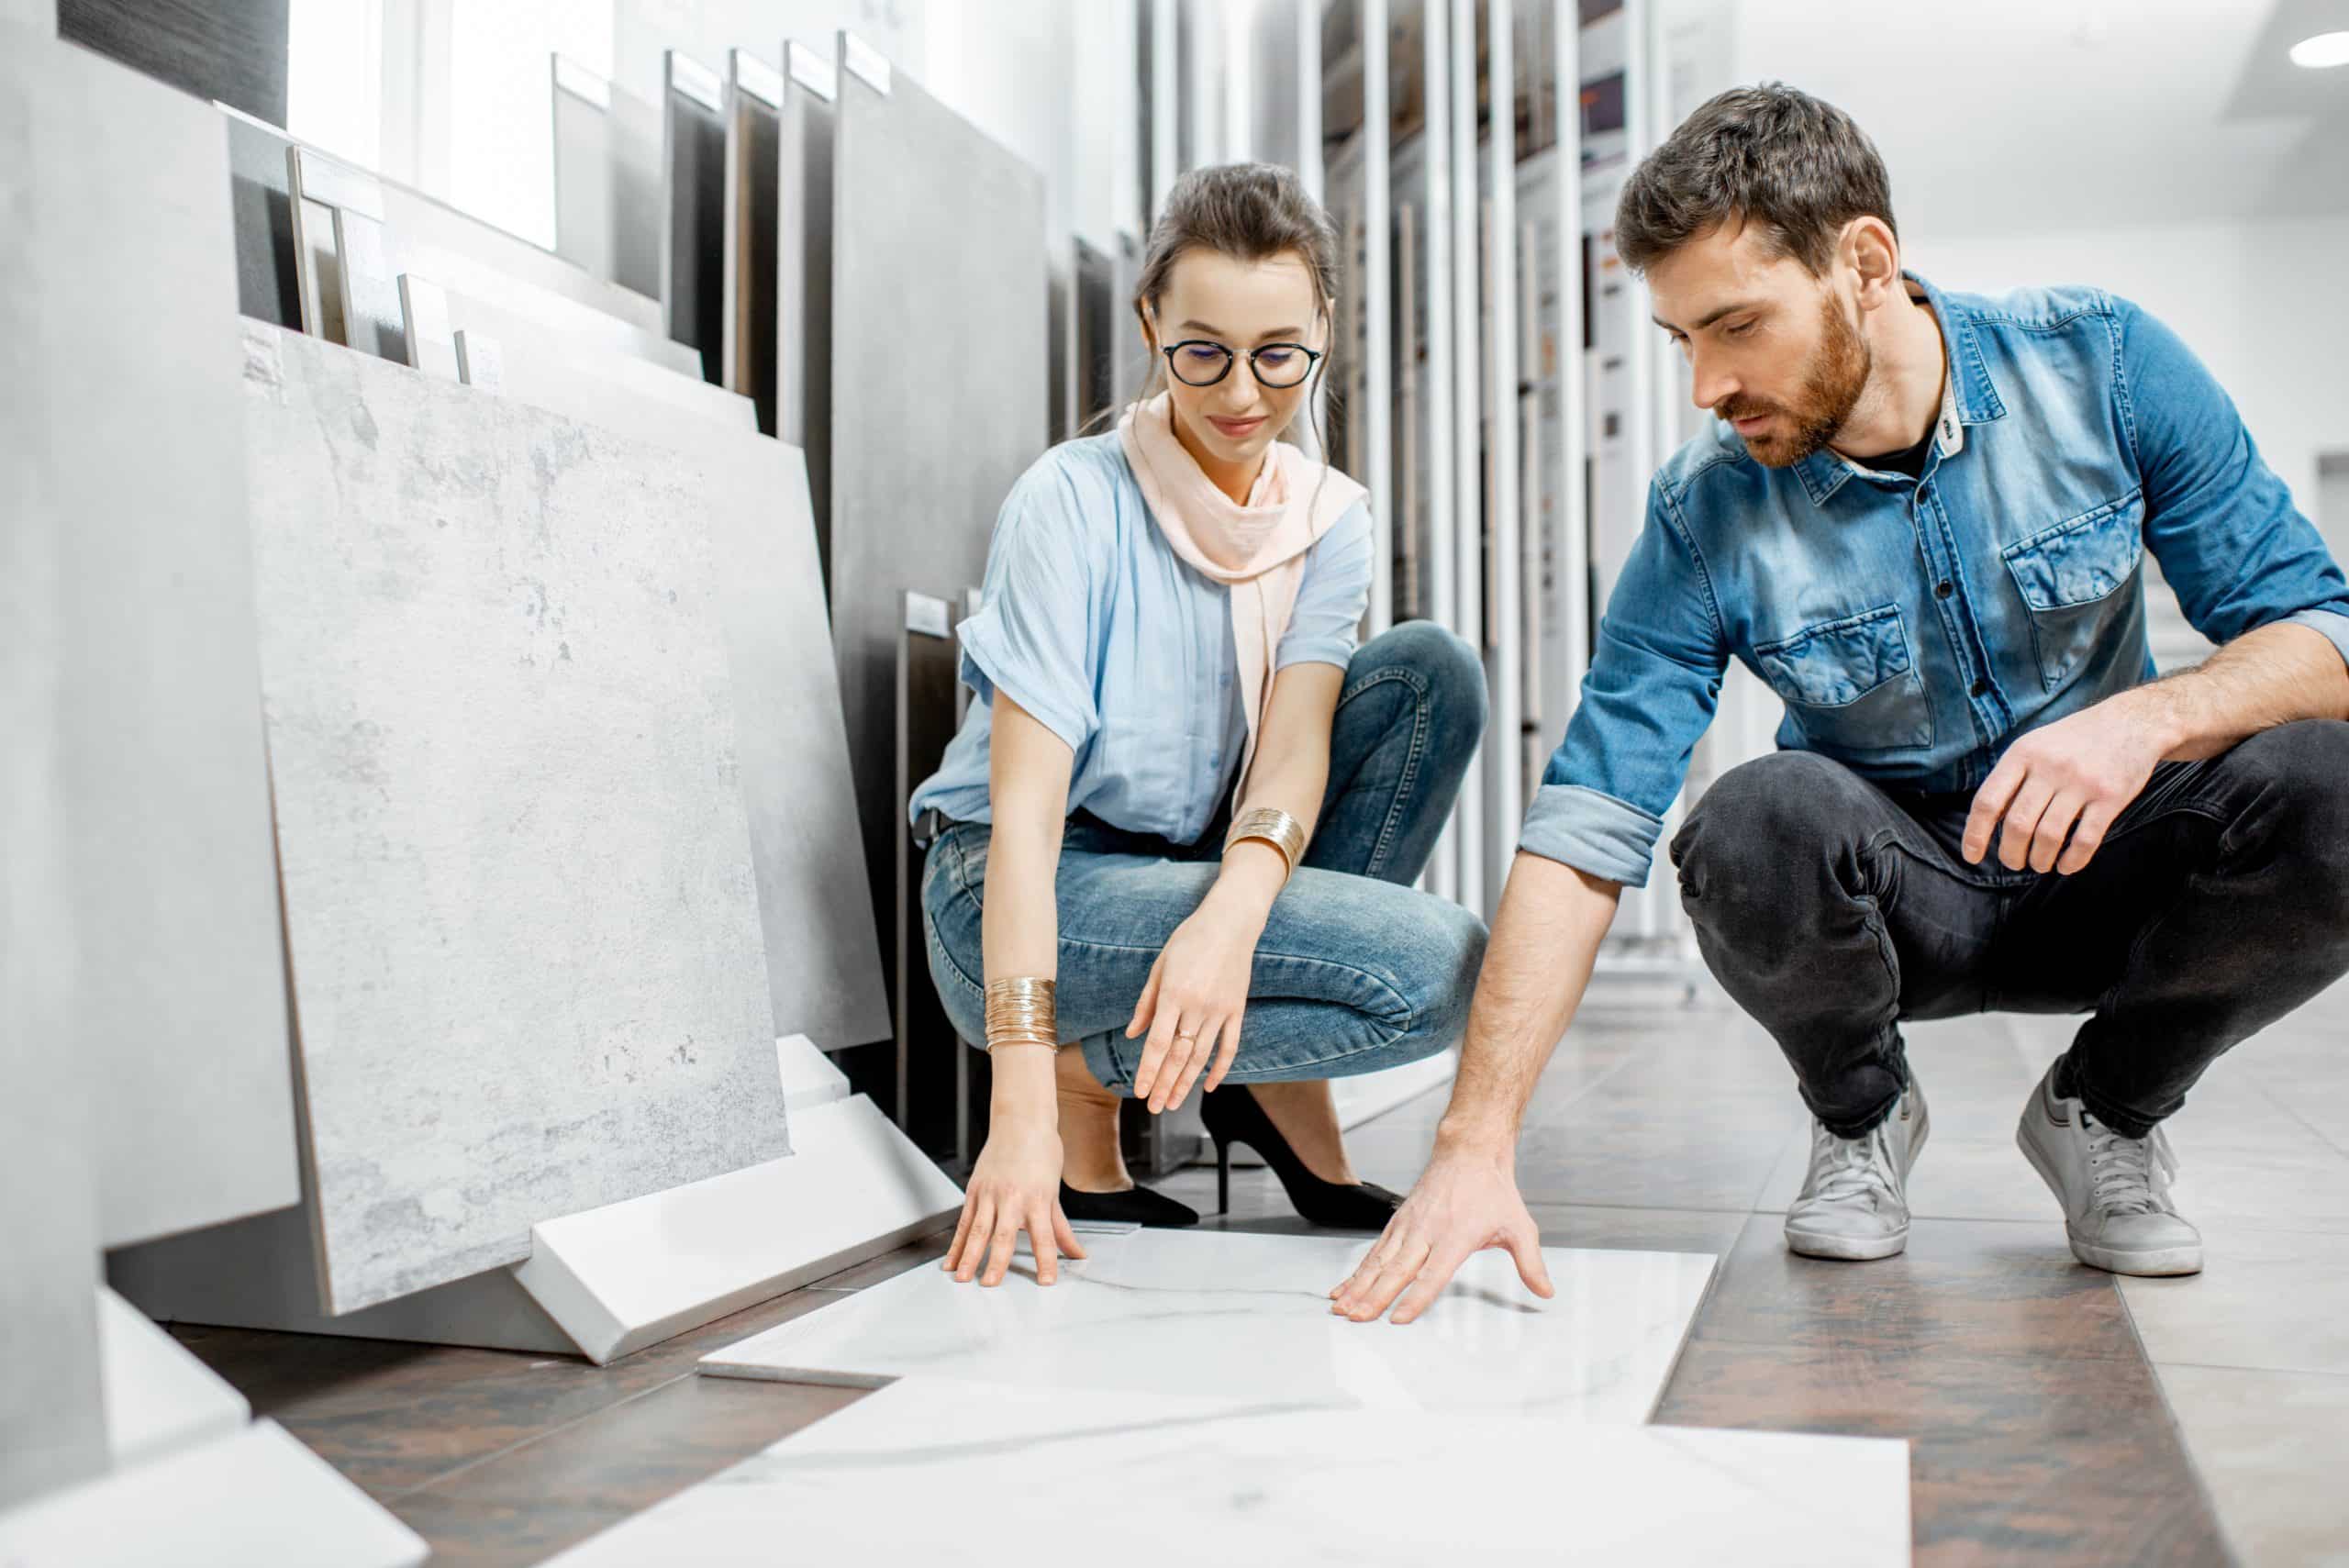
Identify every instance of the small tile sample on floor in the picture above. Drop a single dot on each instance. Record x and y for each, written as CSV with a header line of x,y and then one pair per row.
x,y
159,1398
1236,1316
1048,1475
520,907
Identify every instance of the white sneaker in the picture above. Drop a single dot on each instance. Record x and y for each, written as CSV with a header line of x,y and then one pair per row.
x,y
2114,1190
1855,1202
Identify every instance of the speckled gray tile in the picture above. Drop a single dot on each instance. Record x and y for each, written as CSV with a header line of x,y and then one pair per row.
x,y
523,922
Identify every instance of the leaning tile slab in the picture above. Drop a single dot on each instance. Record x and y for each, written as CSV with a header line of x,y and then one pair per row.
x,y
1258,1481
1248,1317
522,920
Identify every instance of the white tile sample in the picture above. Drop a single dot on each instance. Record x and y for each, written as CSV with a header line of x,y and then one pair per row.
x,y
815,908
1230,1314
546,364
520,909
159,1398
637,1273
52,1423
1055,1476
255,1500
181,1011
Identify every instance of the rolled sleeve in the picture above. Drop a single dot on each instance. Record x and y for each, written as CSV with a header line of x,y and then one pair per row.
x,y
1654,681
1591,832
1326,622
2231,545
1034,638
2334,624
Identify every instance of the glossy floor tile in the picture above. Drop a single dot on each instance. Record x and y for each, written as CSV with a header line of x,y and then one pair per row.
x,y
1248,1317
2270,1299
1052,1476
2269,1446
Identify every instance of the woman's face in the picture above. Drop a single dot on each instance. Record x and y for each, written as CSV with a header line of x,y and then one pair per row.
x,y
1242,306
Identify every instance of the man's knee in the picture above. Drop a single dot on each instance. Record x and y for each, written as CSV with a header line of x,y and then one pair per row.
x,y
1758,819
2302,775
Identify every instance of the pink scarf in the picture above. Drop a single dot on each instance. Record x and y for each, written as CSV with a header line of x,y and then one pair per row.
x,y
1258,548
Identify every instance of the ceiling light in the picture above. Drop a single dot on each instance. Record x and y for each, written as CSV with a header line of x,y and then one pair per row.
x,y
2322,50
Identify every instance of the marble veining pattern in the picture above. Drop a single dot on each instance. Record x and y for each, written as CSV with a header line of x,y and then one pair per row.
x,y
524,929
1048,1475
1241,1316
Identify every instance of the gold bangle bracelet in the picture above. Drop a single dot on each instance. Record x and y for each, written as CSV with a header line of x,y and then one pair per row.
x,y
1020,1012
1275,827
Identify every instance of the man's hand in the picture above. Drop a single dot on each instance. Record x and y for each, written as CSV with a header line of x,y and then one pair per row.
x,y
2072,780
1463,1203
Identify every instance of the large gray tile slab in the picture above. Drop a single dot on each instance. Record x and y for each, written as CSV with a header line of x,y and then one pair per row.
x,y
823,960
937,409
802,295
693,206
182,1012
523,919
2268,1445
753,151
1253,1482
51,1429
607,179
1247,1316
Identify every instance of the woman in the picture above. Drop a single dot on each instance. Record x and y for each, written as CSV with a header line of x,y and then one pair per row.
x,y
1170,611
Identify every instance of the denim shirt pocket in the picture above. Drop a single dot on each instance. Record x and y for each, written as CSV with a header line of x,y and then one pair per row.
x,y
2071,578
1850,684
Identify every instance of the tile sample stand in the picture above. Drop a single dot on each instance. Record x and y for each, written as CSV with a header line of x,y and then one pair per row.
x,y
607,179
1235,1315
692,208
610,1281
1253,1481
754,104
803,294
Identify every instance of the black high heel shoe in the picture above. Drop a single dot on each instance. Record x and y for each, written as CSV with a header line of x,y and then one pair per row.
x,y
1234,1116
1136,1205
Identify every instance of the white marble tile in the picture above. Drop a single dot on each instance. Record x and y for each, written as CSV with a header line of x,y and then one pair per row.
x,y
1054,1475
1242,1315
158,1397
2277,1299
2268,1445
521,910
257,1499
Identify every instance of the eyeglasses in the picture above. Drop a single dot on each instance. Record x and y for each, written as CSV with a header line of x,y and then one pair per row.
x,y
1202,361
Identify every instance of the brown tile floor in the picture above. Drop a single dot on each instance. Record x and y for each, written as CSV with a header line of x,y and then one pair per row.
x,y
2041,1431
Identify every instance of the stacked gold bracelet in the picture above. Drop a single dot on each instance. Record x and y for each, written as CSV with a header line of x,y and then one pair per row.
x,y
1020,1012
1275,827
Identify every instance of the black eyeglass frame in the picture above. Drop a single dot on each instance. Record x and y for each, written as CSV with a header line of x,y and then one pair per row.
x,y
1313,358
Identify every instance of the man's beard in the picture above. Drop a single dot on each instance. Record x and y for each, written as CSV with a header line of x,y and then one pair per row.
x,y
1831,386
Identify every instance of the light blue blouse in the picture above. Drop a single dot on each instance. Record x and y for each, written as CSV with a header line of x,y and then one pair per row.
x,y
1094,624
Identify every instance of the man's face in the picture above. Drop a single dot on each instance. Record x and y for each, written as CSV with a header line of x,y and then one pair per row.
x,y
1771,349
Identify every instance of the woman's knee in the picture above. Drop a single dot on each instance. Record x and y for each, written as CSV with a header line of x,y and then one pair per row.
x,y
1442,668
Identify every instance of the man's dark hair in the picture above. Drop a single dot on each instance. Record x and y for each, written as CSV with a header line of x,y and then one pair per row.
x,y
1770,155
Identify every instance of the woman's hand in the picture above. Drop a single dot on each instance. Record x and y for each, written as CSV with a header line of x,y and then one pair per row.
x,y
1195,998
1014,1186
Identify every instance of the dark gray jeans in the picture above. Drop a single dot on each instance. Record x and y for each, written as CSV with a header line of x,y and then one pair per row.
x,y
1831,909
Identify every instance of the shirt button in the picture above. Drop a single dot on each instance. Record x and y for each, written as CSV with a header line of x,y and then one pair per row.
x,y
1981,688
1943,590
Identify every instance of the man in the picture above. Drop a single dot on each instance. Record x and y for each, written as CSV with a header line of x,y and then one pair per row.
x,y
1919,516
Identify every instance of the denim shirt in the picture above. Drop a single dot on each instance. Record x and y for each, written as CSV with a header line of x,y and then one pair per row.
x,y
1915,627
1123,650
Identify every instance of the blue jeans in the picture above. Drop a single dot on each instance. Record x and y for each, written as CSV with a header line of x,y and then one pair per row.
x,y
1355,970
